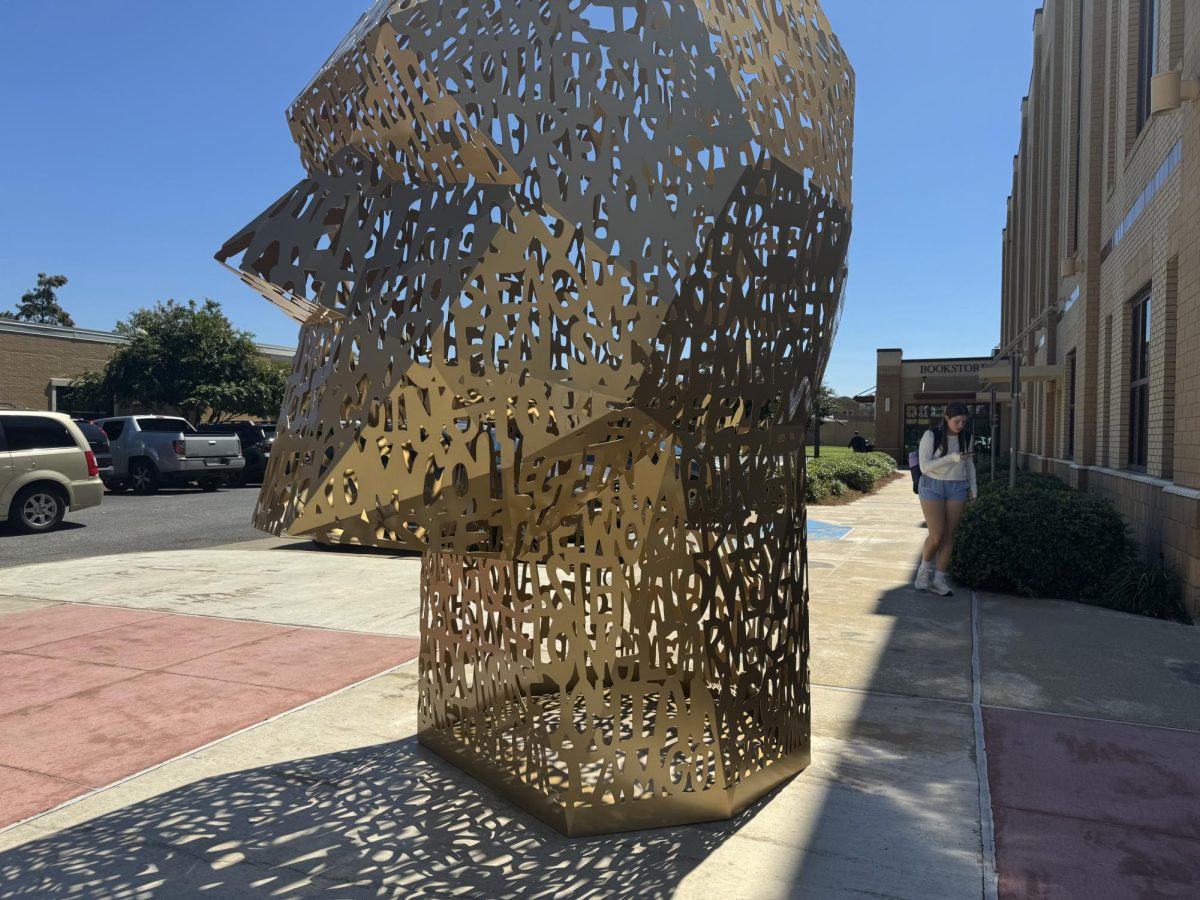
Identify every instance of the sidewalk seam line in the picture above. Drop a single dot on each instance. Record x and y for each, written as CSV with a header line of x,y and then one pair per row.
x,y
987,827
854,690
197,615
86,787
1063,715
1108,823
155,614
287,712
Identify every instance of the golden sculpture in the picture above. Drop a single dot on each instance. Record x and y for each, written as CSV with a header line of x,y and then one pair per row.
x,y
567,275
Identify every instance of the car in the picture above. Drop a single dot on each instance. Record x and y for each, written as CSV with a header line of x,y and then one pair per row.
x,y
98,441
153,451
256,439
46,470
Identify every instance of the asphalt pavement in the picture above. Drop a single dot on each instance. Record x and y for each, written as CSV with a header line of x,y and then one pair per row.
x,y
177,519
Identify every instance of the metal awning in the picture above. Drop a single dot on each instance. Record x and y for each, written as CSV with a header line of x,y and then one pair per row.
x,y
998,375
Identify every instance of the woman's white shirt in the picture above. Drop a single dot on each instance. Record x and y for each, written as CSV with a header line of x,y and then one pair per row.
x,y
952,466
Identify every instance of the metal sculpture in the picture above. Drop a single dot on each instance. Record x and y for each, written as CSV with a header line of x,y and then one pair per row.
x,y
567,275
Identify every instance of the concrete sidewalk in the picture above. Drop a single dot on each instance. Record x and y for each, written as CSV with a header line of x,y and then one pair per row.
x,y
1090,720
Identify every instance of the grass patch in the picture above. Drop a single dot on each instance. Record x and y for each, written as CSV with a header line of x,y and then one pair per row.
x,y
830,451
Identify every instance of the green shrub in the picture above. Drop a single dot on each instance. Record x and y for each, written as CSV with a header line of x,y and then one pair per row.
x,y
833,476
1035,480
853,474
820,484
1147,589
879,463
983,468
1040,541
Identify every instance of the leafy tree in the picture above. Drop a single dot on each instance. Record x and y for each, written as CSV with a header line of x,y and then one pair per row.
x,y
259,396
40,305
191,358
825,402
89,391
824,405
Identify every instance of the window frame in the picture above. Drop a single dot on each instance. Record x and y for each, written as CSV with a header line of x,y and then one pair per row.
x,y
1140,312
43,422
1072,387
1147,59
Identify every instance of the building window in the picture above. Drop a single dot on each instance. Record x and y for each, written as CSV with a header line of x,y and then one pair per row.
x,y
1147,58
920,417
1139,382
1071,359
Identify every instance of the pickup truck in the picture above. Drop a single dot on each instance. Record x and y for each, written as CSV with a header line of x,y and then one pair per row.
x,y
149,452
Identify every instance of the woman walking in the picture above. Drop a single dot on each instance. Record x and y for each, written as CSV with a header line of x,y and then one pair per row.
x,y
947,482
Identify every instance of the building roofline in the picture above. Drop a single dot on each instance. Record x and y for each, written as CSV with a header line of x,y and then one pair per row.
x,y
62,331
936,359
72,333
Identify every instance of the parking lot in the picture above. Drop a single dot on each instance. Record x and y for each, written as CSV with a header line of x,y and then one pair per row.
x,y
169,520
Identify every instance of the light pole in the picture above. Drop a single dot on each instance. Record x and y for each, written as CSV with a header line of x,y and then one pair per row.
x,y
992,438
1015,424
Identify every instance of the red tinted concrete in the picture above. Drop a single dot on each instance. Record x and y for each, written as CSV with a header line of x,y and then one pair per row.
x,y
23,794
1131,775
103,734
160,642
1080,801
332,659
19,631
31,680
87,703
1049,857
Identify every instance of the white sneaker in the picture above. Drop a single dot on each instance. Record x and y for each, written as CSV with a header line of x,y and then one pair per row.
x,y
924,576
941,585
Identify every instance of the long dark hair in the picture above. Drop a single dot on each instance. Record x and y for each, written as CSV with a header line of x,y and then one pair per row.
x,y
941,429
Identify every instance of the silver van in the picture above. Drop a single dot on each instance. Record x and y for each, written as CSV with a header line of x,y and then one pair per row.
x,y
46,468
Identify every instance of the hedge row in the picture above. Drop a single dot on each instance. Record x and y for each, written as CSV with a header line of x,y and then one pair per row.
x,y
1045,539
834,476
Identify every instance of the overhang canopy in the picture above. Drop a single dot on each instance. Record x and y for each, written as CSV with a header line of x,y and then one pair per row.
x,y
1002,374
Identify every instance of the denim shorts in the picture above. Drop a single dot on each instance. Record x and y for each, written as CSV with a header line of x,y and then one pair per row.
x,y
936,489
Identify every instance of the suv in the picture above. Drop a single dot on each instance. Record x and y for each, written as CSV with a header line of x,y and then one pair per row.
x,y
98,441
256,439
151,451
46,468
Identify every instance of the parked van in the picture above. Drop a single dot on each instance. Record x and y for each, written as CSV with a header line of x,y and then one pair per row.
x,y
46,469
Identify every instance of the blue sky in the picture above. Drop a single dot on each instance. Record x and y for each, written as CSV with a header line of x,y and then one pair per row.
x,y
140,134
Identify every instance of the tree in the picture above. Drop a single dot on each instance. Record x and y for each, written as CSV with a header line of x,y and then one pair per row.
x,y
88,392
40,305
191,358
260,395
824,406
825,402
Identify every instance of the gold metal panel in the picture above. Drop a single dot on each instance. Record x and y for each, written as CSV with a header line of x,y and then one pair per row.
x,y
566,276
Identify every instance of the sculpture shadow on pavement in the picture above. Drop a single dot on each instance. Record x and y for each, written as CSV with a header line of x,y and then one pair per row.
x,y
389,820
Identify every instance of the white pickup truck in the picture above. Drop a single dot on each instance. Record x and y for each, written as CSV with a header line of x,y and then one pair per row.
x,y
149,452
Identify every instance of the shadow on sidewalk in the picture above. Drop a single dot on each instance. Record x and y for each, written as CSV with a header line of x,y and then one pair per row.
x,y
894,743
381,821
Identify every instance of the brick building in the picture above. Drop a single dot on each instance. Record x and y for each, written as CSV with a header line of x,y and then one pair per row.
x,y
909,392
38,362
1101,296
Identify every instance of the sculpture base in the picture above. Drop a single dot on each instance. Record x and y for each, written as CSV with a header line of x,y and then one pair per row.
x,y
608,695
551,789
